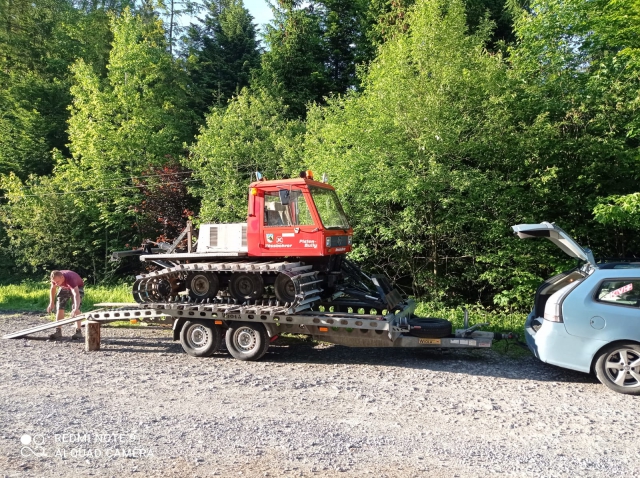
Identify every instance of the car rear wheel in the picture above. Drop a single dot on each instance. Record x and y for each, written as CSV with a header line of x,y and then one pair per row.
x,y
618,367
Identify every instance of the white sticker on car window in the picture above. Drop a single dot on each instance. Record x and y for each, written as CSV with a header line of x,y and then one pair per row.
x,y
617,292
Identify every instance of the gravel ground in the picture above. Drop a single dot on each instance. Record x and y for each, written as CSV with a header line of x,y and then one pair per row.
x,y
142,407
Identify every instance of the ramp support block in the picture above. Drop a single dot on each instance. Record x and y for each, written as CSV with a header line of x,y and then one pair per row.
x,y
92,336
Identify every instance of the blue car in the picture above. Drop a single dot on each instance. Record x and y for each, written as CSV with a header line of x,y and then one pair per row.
x,y
588,318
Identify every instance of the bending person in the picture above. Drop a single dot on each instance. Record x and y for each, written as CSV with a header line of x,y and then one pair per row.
x,y
68,285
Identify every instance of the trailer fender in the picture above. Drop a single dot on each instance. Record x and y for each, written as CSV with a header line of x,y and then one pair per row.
x,y
177,328
272,329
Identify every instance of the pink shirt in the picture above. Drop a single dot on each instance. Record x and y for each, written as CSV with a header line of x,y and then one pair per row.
x,y
71,280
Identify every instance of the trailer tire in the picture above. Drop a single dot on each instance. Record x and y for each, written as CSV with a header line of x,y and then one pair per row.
x,y
247,341
429,327
200,338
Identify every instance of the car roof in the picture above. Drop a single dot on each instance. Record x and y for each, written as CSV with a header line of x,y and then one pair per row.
x,y
619,265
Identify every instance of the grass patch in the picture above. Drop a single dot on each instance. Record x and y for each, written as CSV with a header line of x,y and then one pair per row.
x,y
34,296
499,320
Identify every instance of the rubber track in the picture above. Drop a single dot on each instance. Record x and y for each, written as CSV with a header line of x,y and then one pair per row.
x,y
153,287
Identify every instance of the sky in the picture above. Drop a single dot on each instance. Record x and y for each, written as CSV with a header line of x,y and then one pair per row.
x,y
260,11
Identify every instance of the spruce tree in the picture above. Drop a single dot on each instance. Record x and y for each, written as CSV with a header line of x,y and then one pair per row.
x,y
222,53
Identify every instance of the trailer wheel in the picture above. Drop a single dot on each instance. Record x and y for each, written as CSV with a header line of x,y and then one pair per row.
x,y
202,286
200,338
284,288
246,286
429,327
247,341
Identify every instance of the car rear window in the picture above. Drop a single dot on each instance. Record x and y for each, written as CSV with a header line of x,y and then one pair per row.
x,y
620,292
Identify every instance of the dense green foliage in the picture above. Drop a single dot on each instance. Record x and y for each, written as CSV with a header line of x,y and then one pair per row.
x,y
222,53
440,122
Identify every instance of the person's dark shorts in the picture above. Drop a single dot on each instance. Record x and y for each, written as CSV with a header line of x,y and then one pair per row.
x,y
63,296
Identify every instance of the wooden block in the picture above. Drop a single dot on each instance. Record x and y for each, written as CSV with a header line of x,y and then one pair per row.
x,y
92,336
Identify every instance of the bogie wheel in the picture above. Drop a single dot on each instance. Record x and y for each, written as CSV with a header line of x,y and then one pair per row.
x,y
246,286
284,288
247,341
200,338
202,285
618,367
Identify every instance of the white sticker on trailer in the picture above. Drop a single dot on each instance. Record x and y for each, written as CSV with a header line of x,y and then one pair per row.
x,y
463,342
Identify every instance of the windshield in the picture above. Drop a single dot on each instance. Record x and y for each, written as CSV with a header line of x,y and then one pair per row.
x,y
329,208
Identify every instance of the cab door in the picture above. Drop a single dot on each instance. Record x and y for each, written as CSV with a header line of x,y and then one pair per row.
x,y
288,225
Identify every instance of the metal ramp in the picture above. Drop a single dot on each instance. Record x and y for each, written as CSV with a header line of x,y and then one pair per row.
x,y
51,325
43,327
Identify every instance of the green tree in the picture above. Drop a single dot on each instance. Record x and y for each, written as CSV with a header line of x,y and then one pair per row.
x,y
573,107
38,42
294,67
579,64
50,226
408,154
135,118
388,17
120,128
250,135
344,26
222,53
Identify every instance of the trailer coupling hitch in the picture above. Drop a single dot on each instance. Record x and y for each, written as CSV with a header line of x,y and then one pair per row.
x,y
469,330
505,336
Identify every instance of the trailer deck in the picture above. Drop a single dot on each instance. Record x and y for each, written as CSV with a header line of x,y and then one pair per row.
x,y
351,329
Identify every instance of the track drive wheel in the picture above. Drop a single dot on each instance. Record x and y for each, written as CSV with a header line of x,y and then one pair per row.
x,y
247,341
139,292
246,286
200,338
202,285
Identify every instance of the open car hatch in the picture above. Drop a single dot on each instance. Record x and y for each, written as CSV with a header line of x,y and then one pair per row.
x,y
556,235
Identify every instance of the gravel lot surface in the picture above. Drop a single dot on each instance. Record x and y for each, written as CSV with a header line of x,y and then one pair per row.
x,y
142,407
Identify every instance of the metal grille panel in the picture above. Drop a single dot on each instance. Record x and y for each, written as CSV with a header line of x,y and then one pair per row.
x,y
213,237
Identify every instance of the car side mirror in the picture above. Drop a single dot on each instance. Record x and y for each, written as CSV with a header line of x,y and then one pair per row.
x,y
284,196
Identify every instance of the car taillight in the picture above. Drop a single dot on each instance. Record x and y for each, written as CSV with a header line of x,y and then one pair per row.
x,y
349,240
328,242
555,314
553,307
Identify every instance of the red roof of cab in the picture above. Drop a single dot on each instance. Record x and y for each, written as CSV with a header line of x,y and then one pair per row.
x,y
289,182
